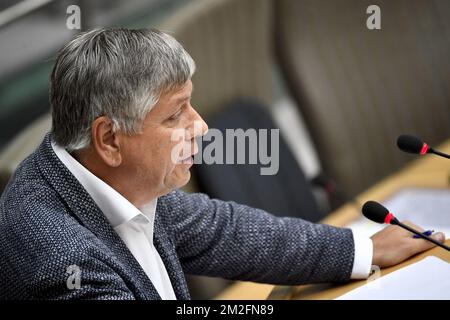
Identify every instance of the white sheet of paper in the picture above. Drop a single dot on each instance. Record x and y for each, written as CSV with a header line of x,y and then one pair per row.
x,y
428,208
428,279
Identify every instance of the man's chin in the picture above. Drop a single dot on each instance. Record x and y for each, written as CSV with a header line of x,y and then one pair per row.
x,y
183,179
188,177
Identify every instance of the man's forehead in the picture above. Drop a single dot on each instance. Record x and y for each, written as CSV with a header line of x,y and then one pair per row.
x,y
182,93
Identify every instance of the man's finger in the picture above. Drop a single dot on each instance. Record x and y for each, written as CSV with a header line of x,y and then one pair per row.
x,y
439,236
425,244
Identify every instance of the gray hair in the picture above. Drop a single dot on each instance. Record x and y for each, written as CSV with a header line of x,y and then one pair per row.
x,y
118,73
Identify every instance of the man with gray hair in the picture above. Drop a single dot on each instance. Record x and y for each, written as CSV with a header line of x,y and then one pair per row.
x,y
95,212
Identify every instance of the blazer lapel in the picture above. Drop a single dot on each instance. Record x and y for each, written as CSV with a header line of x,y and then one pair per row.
x,y
169,256
90,215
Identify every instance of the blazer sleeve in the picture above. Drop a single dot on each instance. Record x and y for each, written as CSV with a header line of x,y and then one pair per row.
x,y
233,241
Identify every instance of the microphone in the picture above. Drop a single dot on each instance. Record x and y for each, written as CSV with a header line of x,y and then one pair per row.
x,y
412,144
376,212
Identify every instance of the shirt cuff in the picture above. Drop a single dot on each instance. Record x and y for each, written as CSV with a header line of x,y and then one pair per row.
x,y
363,257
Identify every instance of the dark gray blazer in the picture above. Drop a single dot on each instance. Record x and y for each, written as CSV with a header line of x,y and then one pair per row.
x,y
48,222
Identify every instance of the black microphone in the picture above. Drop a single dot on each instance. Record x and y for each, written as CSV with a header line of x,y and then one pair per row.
x,y
412,144
376,212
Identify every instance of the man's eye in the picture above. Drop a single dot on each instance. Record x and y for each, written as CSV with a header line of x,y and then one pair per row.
x,y
176,115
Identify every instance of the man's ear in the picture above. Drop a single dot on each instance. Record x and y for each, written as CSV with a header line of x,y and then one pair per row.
x,y
106,142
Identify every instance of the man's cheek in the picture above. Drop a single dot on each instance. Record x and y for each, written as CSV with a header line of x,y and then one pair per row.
x,y
176,151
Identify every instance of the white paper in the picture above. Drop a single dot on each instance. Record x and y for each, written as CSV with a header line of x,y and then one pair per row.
x,y
428,279
428,208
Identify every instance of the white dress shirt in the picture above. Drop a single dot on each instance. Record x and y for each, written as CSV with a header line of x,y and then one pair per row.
x,y
133,225
362,264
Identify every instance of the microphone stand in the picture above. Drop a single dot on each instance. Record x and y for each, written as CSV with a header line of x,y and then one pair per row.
x,y
431,150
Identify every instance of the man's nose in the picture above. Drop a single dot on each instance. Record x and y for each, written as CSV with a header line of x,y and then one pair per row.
x,y
198,126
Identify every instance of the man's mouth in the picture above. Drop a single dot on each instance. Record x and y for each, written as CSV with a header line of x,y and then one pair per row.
x,y
190,159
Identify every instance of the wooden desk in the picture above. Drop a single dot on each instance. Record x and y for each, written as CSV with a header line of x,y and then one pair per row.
x,y
330,291
428,171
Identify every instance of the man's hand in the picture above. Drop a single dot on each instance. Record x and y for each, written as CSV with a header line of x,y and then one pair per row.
x,y
393,245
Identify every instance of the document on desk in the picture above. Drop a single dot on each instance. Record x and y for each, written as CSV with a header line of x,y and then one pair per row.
x,y
428,279
428,208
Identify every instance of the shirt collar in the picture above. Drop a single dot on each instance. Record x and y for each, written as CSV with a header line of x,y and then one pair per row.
x,y
117,209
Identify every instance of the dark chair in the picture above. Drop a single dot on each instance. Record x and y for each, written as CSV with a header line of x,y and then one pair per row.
x,y
285,193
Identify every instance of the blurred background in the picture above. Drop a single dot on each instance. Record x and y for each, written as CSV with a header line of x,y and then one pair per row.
x,y
339,92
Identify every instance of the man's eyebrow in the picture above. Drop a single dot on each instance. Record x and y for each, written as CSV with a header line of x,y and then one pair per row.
x,y
182,99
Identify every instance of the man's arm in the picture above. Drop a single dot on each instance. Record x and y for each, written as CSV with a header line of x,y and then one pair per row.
x,y
225,239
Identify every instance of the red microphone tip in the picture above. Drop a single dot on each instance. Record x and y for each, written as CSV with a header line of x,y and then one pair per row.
x,y
388,218
424,149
